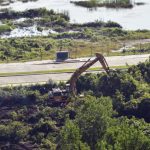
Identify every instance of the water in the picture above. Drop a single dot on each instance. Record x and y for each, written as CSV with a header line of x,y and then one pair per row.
x,y
131,19
27,32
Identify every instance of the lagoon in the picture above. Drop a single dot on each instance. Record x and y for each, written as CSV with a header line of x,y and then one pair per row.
x,y
131,19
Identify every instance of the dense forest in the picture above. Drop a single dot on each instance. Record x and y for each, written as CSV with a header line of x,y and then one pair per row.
x,y
114,114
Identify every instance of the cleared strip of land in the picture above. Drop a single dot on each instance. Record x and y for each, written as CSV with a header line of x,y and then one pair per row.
x,y
70,64
42,71
55,71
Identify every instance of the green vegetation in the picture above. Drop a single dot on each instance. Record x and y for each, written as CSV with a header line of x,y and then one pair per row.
x,y
90,38
5,28
31,13
8,2
105,3
45,48
42,17
138,48
81,40
113,114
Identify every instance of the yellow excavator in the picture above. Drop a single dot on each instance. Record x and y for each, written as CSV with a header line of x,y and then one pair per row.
x,y
59,96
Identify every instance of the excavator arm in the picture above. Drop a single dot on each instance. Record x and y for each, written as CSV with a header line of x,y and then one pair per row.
x,y
84,67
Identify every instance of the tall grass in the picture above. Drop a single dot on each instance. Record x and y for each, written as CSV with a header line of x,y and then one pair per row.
x,y
4,28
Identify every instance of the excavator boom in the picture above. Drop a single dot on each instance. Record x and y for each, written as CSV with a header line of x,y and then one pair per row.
x,y
84,67
58,97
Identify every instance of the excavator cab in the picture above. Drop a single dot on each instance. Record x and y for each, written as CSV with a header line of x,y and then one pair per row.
x,y
57,96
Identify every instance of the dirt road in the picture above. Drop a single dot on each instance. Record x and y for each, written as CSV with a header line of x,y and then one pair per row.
x,y
50,65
